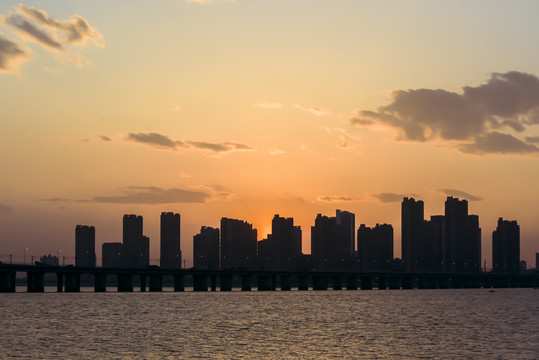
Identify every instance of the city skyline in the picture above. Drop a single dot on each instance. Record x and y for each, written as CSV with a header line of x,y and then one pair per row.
x,y
246,109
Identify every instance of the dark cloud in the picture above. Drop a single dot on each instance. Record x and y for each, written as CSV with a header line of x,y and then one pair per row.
x,y
33,32
461,194
532,139
497,143
10,54
389,197
5,208
105,138
162,141
153,139
331,199
478,116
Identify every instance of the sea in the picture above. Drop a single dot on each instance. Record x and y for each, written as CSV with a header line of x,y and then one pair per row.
x,y
360,324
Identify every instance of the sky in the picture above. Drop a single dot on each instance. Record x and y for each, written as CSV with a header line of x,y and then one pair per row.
x,y
250,108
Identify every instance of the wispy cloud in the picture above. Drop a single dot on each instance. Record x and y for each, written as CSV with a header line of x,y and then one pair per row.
x,y
269,105
461,194
316,111
5,208
346,141
277,152
164,142
389,197
335,198
151,195
481,120
105,138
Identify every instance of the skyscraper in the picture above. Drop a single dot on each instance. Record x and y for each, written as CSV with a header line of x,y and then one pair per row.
x,y
506,247
136,246
462,238
112,255
206,249
238,244
85,246
346,223
171,255
413,233
375,247
323,242
282,249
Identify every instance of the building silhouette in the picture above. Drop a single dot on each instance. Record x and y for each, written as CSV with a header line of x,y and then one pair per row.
x,y
375,247
433,255
85,246
136,246
171,255
112,255
206,249
413,237
506,247
282,249
462,238
238,244
330,241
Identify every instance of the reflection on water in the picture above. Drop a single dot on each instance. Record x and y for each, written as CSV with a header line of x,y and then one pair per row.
x,y
418,324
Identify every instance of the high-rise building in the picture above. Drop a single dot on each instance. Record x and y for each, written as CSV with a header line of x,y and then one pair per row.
x,y
346,224
85,246
206,249
136,246
433,260
171,255
413,237
462,238
282,249
323,242
238,244
112,255
506,247
375,247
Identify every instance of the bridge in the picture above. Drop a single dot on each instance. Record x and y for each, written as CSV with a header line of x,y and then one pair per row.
x,y
68,279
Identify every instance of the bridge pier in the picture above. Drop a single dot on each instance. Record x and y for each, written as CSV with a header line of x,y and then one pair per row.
x,y
125,282
320,282
394,283
142,282
456,283
431,283
178,283
264,282
100,282
382,283
365,282
443,282
407,282
156,282
337,283
213,282
200,282
7,281
286,282
422,282
59,282
351,282
225,282
34,282
303,282
245,282
72,282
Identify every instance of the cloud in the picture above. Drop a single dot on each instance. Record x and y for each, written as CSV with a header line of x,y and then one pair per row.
x,y
475,118
164,142
277,152
31,24
532,139
154,139
105,138
497,143
151,195
461,194
389,197
76,30
315,111
347,142
11,55
333,198
5,208
269,105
